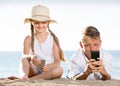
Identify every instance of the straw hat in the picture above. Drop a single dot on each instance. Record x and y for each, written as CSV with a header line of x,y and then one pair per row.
x,y
40,13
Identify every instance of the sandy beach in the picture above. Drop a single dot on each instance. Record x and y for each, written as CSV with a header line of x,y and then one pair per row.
x,y
57,82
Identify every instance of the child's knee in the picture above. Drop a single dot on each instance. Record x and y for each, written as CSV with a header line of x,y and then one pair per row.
x,y
57,71
23,60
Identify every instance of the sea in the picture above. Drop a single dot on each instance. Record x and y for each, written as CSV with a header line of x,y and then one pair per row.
x,y
10,62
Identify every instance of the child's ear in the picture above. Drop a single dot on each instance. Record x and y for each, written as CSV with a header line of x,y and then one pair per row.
x,y
81,44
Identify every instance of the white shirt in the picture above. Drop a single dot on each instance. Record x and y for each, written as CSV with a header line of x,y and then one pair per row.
x,y
44,50
79,61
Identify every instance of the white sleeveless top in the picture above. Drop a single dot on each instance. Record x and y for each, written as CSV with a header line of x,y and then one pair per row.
x,y
44,50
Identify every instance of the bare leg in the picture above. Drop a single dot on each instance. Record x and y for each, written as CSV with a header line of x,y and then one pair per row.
x,y
27,69
52,74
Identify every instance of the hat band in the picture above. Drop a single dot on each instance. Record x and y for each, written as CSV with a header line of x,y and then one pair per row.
x,y
41,16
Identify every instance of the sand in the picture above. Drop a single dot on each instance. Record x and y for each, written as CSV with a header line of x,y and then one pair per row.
x,y
58,82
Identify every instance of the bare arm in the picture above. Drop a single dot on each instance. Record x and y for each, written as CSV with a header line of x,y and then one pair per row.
x,y
98,66
85,74
102,70
93,66
26,45
56,54
56,58
106,77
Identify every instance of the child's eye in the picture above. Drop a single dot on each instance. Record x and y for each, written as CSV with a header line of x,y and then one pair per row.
x,y
36,22
43,22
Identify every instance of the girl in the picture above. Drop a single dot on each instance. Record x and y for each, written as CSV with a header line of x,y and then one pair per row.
x,y
41,44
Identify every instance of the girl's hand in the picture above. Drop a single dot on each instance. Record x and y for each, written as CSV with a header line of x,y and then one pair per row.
x,y
35,60
47,68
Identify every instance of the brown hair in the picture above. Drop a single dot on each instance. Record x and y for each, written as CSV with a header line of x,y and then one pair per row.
x,y
54,37
32,38
58,44
90,31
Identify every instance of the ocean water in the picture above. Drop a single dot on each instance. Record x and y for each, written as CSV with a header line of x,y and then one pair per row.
x,y
10,60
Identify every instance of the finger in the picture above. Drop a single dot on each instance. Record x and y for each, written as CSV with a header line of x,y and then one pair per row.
x,y
94,70
96,63
43,71
92,60
35,57
39,62
44,67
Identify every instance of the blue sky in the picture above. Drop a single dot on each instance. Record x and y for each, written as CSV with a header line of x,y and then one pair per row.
x,y
71,16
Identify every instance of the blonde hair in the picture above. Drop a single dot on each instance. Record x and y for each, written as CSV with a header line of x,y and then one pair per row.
x,y
90,31
58,44
61,53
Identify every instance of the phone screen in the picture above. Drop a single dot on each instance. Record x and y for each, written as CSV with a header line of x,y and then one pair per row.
x,y
95,55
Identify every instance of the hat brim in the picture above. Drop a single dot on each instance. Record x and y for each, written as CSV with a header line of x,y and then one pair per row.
x,y
29,20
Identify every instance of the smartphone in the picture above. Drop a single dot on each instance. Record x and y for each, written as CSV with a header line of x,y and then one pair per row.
x,y
95,55
40,66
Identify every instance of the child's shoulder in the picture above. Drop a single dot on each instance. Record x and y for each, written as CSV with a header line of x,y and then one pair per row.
x,y
27,38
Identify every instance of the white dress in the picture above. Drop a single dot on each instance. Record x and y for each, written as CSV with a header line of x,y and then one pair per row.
x,y
44,50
